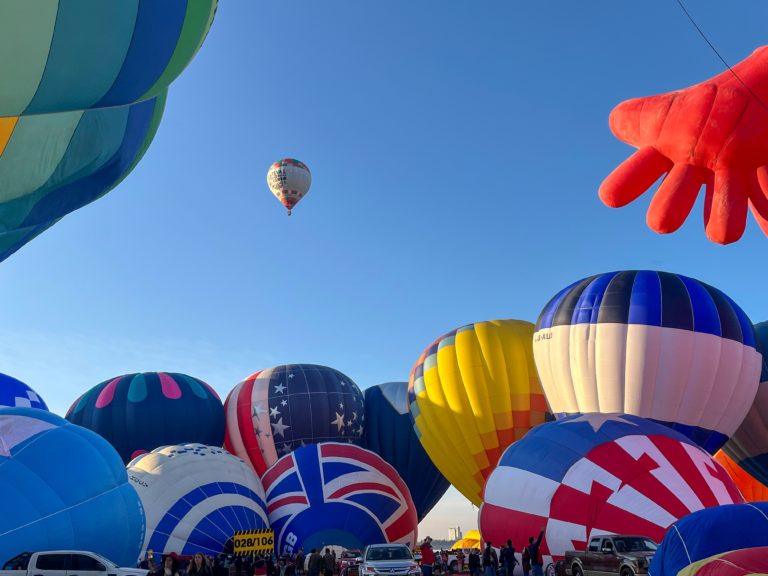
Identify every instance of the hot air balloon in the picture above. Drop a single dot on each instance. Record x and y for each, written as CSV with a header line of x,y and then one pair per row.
x,y
744,562
53,164
14,393
710,134
708,532
389,433
83,91
595,474
64,487
196,497
334,493
748,447
654,344
65,56
472,393
280,409
140,412
289,180
753,490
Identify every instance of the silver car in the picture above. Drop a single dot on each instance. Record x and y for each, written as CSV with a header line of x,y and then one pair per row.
x,y
388,560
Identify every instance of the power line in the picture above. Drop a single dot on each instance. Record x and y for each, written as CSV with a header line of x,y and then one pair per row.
x,y
712,46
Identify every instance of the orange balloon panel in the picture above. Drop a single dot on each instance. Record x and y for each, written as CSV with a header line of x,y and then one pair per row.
x,y
752,489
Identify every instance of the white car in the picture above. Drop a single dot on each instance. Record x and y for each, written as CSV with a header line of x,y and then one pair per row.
x,y
65,563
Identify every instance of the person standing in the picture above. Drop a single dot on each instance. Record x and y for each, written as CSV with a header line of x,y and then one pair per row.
x,y
537,566
427,557
328,563
199,567
299,562
508,560
315,563
474,563
490,560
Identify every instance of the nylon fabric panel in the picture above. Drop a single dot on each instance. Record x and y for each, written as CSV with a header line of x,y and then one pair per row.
x,y
752,489
552,349
546,318
701,395
729,322
7,125
603,377
197,23
676,308
87,51
45,138
150,51
26,30
739,364
645,302
644,345
615,305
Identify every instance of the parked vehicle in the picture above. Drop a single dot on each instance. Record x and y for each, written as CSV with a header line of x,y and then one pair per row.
x,y
65,563
348,558
621,555
392,559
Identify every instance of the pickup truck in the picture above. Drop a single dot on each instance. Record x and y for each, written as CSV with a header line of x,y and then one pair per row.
x,y
65,563
606,555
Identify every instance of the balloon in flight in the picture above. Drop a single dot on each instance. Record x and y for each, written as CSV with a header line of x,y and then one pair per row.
x,y
289,180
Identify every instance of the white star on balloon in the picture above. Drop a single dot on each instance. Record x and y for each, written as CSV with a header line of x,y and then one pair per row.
x,y
285,449
284,403
274,412
290,375
279,389
596,420
341,405
258,410
279,428
339,421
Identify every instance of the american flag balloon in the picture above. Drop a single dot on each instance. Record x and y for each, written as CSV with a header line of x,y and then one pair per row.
x,y
334,493
595,474
275,411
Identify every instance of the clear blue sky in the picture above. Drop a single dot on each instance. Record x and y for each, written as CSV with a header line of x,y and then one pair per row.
x,y
456,150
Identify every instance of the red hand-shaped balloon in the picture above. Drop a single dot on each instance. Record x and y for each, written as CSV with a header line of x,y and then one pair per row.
x,y
714,133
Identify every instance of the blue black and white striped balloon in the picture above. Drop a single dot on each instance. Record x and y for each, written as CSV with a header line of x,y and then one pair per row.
x,y
15,394
654,344
196,497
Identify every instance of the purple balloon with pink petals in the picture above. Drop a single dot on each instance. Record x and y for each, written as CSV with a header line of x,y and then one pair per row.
x,y
137,413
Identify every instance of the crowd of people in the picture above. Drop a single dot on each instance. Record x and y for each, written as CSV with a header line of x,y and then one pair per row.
x,y
488,562
300,564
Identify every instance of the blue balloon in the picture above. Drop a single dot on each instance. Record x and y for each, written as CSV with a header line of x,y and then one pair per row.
x,y
708,532
389,432
14,393
64,487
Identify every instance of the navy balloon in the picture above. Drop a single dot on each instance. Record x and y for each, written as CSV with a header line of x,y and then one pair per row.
x,y
15,393
390,434
140,412
64,487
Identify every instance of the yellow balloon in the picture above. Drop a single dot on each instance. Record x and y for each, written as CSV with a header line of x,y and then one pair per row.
x,y
472,393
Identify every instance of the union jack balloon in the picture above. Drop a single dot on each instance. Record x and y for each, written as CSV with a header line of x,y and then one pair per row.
x,y
334,493
594,474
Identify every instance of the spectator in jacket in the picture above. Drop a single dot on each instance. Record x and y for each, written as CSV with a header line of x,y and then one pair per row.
x,y
427,557
537,566
490,560
508,560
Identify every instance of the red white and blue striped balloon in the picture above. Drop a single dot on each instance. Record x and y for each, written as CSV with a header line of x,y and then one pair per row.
x,y
653,344
594,474
335,493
